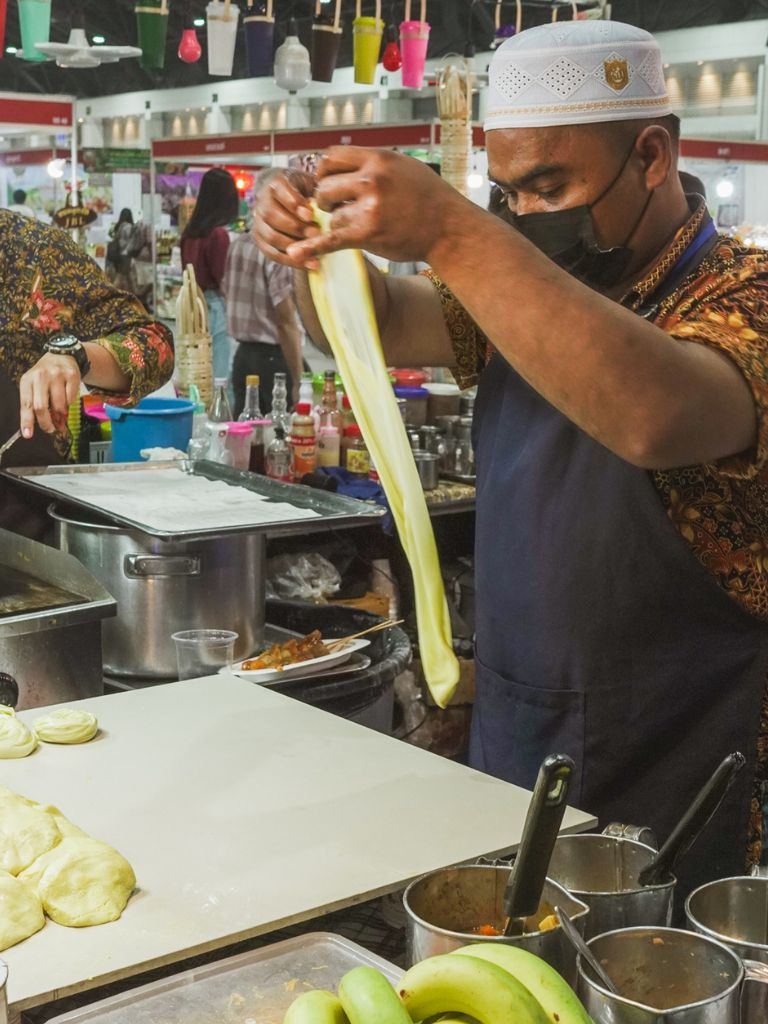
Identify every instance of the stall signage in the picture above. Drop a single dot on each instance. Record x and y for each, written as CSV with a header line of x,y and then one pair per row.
x,y
71,217
735,152
35,112
106,161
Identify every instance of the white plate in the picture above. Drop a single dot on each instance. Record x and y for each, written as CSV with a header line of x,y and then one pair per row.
x,y
270,675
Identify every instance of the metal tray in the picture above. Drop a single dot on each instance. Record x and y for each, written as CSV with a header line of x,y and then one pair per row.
x,y
253,988
333,509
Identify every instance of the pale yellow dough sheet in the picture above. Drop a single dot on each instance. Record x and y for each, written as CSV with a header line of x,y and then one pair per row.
x,y
21,913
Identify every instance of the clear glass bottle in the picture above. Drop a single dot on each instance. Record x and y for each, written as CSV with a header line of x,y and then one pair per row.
x,y
306,393
328,409
280,417
279,457
220,411
252,414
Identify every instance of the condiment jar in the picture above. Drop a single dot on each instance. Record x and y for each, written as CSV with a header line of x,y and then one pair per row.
x,y
303,441
356,458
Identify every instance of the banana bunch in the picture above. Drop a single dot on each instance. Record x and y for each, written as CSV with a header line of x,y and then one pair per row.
x,y
486,983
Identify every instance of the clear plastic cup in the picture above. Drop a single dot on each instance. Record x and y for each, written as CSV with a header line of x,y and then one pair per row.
x,y
202,652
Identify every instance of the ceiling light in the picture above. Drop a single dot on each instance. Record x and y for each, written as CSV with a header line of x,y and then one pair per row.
x,y
99,40
725,188
199,22
55,168
11,49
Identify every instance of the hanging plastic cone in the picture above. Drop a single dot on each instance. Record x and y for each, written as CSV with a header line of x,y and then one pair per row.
x,y
221,18
366,44
414,40
259,39
391,59
35,22
152,28
3,16
326,40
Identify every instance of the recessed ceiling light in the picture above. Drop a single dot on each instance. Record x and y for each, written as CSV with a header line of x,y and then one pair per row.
x,y
11,49
99,40
199,22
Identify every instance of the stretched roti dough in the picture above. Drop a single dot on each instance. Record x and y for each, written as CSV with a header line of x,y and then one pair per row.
x,y
16,739
27,831
21,913
66,725
81,882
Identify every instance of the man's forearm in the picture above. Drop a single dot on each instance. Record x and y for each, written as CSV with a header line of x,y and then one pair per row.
x,y
651,399
104,372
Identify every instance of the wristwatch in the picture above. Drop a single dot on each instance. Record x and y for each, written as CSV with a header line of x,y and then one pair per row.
x,y
68,345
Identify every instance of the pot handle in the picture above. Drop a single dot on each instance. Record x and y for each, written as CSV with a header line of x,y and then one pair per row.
x,y
637,833
142,567
754,994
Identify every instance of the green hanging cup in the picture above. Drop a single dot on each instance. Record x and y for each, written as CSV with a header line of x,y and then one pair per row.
x,y
152,27
35,23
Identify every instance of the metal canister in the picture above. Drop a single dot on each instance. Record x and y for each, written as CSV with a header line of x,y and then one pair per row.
x,y
603,871
446,907
665,976
3,992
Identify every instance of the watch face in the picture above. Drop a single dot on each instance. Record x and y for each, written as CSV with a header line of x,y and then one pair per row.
x,y
63,342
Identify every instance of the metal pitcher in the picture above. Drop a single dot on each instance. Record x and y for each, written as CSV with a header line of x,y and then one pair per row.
x,y
735,912
603,870
445,906
665,976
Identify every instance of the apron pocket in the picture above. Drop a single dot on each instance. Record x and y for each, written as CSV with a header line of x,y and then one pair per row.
x,y
515,726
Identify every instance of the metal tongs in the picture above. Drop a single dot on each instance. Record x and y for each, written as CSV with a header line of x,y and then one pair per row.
x,y
9,443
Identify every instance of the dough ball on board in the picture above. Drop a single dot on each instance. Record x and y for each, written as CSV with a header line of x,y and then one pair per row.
x,y
66,725
21,913
16,738
26,832
81,882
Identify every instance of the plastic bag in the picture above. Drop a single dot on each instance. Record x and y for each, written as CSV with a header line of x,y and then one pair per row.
x,y
301,577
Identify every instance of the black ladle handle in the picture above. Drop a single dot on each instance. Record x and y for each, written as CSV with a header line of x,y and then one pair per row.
x,y
542,824
690,826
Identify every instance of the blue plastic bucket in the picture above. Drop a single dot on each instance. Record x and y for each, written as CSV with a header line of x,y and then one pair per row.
x,y
153,423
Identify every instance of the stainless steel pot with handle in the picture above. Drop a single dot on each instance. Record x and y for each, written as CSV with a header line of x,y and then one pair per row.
x,y
163,587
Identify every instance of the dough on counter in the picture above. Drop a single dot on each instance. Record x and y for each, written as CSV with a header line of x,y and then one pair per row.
x,y
27,831
81,882
16,738
66,725
21,913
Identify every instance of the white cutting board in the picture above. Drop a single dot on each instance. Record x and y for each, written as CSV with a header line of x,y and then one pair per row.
x,y
241,811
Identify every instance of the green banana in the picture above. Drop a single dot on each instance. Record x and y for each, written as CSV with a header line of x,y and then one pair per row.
x,y
466,984
316,1007
556,996
368,998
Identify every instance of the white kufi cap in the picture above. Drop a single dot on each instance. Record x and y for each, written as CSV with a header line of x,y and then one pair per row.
x,y
576,72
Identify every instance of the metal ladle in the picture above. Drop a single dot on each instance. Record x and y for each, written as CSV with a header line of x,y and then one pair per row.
x,y
11,441
585,952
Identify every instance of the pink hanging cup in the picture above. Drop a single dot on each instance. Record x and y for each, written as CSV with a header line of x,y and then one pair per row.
x,y
414,40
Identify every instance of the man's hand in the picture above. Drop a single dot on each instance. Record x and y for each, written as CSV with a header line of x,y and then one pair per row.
x,y
46,392
282,215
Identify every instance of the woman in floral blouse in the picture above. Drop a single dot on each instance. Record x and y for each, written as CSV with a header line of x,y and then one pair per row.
x,y
50,288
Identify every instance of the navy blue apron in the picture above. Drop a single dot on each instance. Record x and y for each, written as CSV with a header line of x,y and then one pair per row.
x,y
599,634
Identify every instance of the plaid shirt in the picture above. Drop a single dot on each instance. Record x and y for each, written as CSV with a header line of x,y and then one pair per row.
x,y
253,286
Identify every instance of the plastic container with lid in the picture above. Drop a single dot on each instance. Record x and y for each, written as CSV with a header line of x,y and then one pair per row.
x,y
328,446
408,378
355,456
303,441
416,404
444,400
238,443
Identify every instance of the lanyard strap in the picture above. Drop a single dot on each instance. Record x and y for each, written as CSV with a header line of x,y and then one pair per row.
x,y
697,251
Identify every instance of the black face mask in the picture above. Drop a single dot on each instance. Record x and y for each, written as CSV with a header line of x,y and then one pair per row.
x,y
568,238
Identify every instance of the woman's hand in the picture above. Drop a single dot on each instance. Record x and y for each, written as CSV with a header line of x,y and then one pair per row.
x,y
46,392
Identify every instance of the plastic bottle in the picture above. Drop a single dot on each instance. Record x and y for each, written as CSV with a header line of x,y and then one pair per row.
x,y
279,457
199,415
356,458
346,410
252,414
280,417
328,446
303,441
220,411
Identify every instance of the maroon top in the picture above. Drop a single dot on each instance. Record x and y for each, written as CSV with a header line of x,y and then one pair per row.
x,y
208,256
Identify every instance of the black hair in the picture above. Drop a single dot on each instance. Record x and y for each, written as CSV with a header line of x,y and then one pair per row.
x,y
126,217
19,196
217,204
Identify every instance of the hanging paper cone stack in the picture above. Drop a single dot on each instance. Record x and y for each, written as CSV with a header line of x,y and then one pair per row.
x,y
35,23
152,28
414,40
221,18
194,349
326,40
366,40
259,40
